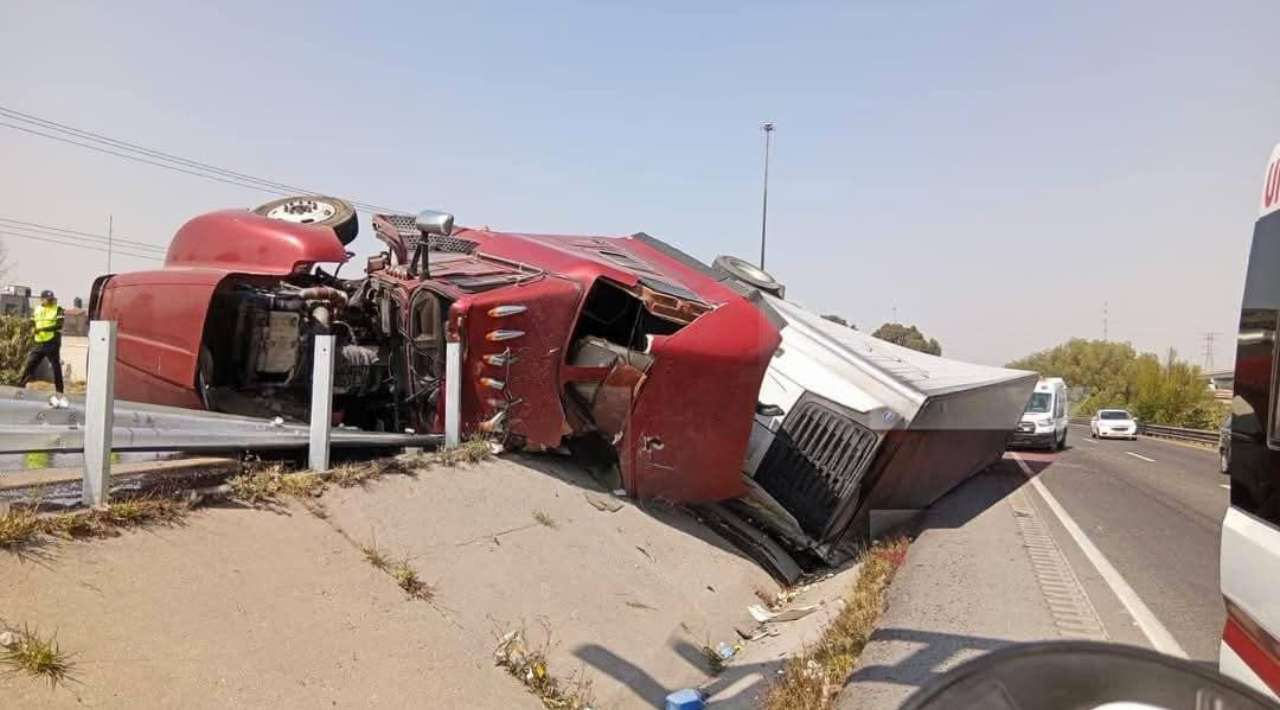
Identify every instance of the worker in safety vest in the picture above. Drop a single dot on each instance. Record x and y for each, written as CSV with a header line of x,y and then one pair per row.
x,y
48,336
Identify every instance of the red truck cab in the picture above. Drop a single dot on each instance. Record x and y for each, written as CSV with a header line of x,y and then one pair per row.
x,y
624,340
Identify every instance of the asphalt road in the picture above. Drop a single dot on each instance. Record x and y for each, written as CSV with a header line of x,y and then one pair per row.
x,y
1154,508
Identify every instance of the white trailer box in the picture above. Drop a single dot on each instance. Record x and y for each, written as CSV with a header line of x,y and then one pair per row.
x,y
851,427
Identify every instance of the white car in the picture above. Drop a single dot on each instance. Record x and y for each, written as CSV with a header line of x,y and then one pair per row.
x,y
1113,424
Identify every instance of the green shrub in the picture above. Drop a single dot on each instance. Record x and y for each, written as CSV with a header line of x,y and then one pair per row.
x,y
15,341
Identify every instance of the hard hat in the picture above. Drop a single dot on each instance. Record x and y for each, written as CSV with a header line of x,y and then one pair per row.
x,y
47,294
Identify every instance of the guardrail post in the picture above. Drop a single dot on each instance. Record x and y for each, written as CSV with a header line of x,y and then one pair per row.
x,y
321,402
99,412
452,393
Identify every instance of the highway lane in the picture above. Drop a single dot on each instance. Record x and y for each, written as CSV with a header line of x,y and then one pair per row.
x,y
1154,508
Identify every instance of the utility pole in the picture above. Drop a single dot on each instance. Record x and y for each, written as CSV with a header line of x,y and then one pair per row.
x,y
767,127
1208,349
111,224
1105,324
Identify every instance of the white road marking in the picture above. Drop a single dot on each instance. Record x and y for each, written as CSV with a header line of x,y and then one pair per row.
x,y
1155,631
1140,456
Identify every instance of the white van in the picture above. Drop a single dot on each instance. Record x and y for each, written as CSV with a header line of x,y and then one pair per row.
x,y
1044,421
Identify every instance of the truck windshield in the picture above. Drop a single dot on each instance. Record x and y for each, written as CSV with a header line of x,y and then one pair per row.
x,y
1040,402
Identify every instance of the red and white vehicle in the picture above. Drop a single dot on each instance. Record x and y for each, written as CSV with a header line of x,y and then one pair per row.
x,y
1250,571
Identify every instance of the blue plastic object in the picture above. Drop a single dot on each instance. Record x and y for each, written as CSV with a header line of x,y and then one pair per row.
x,y
687,699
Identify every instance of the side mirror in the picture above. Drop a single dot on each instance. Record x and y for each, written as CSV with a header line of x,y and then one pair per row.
x,y
434,222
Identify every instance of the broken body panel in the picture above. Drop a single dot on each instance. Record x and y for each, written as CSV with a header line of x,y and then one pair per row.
x,y
561,337
864,427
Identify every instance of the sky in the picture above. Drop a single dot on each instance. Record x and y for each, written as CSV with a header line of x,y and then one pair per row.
x,y
994,172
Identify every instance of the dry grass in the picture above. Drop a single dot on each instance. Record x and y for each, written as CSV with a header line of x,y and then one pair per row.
x,y
407,578
22,526
270,483
811,680
472,450
35,655
715,664
375,557
544,519
19,527
527,663
402,571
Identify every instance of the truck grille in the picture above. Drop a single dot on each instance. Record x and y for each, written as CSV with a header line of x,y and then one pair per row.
x,y
816,461
457,245
1026,427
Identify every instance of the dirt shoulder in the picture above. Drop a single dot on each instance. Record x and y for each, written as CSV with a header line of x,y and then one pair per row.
x,y
244,607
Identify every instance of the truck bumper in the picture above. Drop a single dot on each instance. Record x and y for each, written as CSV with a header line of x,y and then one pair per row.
x,y
1041,440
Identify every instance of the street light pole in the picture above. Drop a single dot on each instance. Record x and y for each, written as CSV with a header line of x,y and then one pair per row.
x,y
767,127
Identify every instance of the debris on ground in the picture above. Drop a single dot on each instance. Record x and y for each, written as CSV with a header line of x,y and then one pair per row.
x,y
763,615
602,503
528,664
685,699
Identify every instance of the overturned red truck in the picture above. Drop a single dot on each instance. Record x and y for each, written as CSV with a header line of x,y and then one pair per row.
x,y
556,337
703,382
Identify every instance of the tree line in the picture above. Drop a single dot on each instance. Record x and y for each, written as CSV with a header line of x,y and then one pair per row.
x,y
1108,375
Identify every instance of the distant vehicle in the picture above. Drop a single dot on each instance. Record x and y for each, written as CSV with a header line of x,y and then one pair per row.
x,y
1224,445
1250,566
1044,421
1113,424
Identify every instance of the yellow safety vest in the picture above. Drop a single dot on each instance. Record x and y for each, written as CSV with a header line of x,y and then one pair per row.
x,y
47,322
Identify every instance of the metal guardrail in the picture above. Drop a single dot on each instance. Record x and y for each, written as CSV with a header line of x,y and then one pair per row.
x,y
1203,436
99,424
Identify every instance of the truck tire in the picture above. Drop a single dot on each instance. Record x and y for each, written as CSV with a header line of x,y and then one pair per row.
x,y
749,274
330,212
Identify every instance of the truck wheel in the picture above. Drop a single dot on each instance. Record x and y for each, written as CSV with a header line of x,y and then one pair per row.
x,y
748,273
204,378
330,212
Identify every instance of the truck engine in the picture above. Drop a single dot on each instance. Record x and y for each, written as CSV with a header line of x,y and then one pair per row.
x,y
258,347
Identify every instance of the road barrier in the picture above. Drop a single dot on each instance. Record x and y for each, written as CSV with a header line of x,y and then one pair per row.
x,y
103,424
1202,436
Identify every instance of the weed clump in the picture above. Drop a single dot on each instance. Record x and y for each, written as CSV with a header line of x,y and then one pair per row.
x,y
22,526
811,680
19,527
28,652
407,578
528,664
269,484
472,450
544,519
402,571
375,557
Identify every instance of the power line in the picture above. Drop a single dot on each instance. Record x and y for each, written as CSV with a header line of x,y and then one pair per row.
x,y
92,246
10,223
52,130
